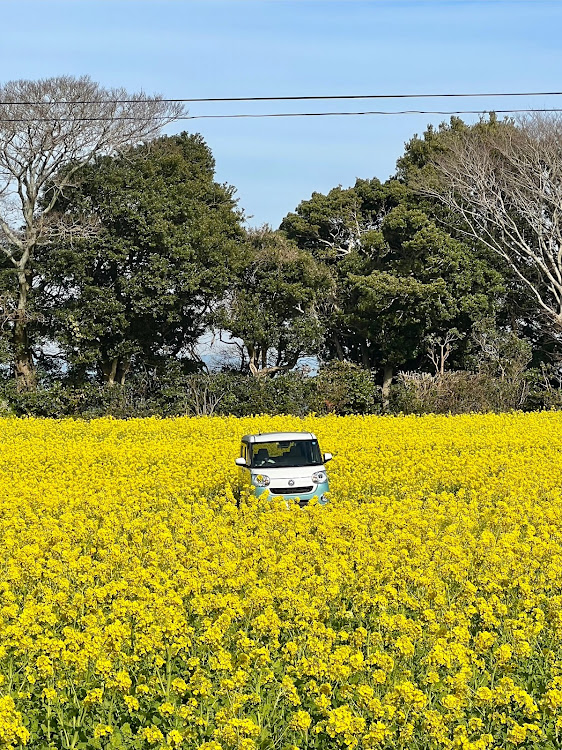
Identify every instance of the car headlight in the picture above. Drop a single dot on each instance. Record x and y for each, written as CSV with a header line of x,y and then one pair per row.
x,y
261,480
318,477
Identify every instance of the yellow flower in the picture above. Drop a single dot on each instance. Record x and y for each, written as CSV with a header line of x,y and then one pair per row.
x,y
166,709
405,646
93,696
174,738
484,640
102,730
484,695
179,685
517,734
152,734
451,702
377,734
553,699
12,731
131,702
503,653
432,677
44,666
300,721
341,721
121,680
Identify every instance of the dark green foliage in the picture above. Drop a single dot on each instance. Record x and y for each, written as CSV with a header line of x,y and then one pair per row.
x,y
346,388
164,245
341,389
399,276
420,151
272,304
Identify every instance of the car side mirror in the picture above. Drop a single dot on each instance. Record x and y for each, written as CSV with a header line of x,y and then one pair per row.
x,y
327,457
240,462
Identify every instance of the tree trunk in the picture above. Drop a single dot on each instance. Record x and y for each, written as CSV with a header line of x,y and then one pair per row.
x,y
23,359
339,350
115,370
365,358
23,356
386,383
122,370
109,370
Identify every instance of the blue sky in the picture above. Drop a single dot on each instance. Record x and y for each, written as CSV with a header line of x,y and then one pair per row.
x,y
206,48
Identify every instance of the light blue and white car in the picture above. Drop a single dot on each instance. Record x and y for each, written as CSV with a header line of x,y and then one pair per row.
x,y
285,463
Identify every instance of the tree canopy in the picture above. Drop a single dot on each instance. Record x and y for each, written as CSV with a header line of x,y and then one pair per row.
x,y
46,126
400,277
165,245
272,307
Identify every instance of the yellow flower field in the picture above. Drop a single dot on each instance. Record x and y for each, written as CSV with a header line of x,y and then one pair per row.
x,y
421,608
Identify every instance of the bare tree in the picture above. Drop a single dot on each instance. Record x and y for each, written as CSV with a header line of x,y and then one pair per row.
x,y
439,349
48,129
504,179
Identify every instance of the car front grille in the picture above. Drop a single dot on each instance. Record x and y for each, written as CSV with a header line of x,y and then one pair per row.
x,y
290,490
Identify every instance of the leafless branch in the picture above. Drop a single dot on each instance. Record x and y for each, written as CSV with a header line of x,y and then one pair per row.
x,y
505,182
48,129
439,349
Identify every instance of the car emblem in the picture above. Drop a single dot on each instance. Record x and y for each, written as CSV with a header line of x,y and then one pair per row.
x,y
291,482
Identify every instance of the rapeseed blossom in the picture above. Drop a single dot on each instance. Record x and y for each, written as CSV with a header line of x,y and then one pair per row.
x,y
421,608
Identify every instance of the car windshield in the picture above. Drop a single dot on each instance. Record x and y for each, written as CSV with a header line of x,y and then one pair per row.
x,y
286,453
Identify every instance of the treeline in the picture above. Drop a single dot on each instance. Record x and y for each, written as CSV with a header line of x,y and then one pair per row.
x,y
437,290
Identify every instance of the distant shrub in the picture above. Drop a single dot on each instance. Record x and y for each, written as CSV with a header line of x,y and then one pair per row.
x,y
458,392
338,388
345,388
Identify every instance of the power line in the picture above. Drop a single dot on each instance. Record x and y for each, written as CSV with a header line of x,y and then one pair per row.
x,y
287,114
295,98
371,112
356,96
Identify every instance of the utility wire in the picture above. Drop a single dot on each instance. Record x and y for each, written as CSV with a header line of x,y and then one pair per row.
x,y
372,112
284,98
286,114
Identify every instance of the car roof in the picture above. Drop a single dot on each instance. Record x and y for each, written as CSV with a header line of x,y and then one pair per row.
x,y
270,437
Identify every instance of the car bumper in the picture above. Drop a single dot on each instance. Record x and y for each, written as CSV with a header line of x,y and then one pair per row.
x,y
303,498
